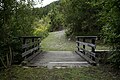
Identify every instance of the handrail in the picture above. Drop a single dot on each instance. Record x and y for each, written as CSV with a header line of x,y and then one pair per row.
x,y
89,54
87,44
30,46
87,37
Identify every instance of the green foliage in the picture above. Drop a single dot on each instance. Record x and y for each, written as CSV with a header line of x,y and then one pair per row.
x,y
55,17
53,12
41,27
80,17
110,17
89,17
16,20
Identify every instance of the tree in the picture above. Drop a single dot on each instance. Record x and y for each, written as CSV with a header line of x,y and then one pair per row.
x,y
56,18
110,17
80,16
15,20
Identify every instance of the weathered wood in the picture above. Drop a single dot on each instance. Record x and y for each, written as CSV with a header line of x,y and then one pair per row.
x,y
86,58
90,54
33,42
83,45
29,51
39,44
30,44
53,59
32,56
93,49
86,44
30,37
24,39
93,42
78,44
87,37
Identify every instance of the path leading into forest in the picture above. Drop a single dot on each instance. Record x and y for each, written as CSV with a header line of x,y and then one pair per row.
x,y
57,41
59,52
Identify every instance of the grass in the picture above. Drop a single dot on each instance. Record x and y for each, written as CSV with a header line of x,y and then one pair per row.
x,y
85,73
57,41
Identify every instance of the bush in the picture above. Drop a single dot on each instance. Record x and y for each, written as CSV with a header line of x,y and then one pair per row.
x,y
41,27
110,17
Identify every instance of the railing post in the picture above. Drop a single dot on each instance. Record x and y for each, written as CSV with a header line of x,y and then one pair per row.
x,y
83,45
38,44
93,42
24,42
93,49
33,42
78,39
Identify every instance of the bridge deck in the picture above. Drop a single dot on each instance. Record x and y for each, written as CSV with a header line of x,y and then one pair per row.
x,y
58,59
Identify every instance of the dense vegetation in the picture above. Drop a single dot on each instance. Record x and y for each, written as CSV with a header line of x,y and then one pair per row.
x,y
80,17
91,17
94,17
77,17
16,19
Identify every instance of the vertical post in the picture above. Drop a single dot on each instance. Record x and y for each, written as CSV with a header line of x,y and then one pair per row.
x,y
93,42
93,49
24,42
33,42
38,43
33,45
83,45
78,39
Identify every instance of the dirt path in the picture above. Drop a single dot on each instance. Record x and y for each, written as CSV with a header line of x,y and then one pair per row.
x,y
57,41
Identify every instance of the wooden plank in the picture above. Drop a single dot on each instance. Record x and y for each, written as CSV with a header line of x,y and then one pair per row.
x,y
29,51
78,44
87,44
32,56
84,42
90,53
86,58
93,42
87,37
30,44
30,37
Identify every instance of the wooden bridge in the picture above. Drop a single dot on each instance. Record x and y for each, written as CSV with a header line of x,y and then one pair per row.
x,y
35,57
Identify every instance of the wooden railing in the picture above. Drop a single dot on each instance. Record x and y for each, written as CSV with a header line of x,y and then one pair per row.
x,y
30,47
89,55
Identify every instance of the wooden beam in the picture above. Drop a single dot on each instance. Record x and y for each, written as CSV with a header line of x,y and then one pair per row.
x,y
30,37
32,56
90,53
78,44
29,51
30,44
87,44
86,58
87,37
